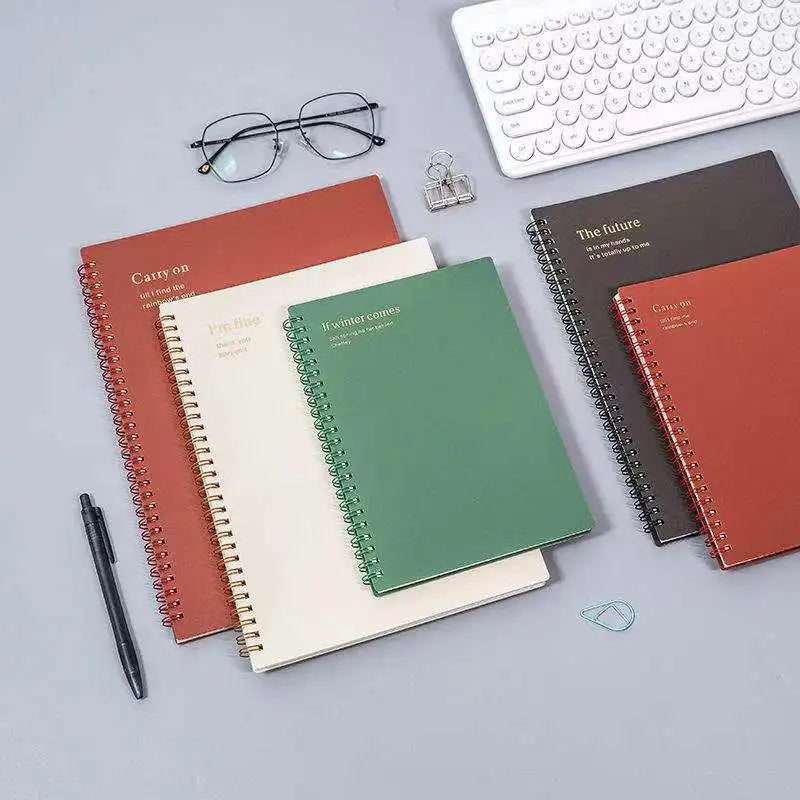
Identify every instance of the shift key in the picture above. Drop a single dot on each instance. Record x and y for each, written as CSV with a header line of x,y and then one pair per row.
x,y
528,124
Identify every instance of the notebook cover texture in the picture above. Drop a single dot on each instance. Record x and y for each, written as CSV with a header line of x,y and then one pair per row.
x,y
716,354
290,563
590,247
123,282
443,449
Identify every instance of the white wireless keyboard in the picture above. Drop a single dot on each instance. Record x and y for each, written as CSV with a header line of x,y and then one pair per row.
x,y
560,82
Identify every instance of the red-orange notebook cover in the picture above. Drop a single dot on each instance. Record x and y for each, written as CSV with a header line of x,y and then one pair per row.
x,y
716,349
123,282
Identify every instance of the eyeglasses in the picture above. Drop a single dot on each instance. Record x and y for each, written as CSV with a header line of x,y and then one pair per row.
x,y
241,147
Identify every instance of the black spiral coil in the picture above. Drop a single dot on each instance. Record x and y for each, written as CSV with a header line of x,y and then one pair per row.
x,y
568,305
358,528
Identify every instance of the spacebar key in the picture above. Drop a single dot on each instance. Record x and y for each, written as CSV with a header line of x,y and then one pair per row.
x,y
657,116
537,121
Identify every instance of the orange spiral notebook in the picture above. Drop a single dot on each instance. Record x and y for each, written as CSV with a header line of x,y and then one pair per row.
x,y
123,283
716,352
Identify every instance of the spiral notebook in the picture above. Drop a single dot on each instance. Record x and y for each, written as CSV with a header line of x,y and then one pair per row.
x,y
589,247
716,353
442,447
292,572
123,282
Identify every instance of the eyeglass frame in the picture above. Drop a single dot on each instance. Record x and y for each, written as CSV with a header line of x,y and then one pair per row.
x,y
295,123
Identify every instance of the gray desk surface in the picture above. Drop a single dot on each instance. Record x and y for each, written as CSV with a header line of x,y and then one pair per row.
x,y
520,699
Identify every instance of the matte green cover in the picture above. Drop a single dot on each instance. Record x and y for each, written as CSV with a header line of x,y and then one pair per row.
x,y
448,455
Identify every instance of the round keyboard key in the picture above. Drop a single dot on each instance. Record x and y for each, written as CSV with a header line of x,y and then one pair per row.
x,y
773,3
490,60
605,57
728,8
516,54
587,39
534,74
667,67
507,34
634,28
596,83
539,49
531,28
658,22
555,23
784,40
750,6
547,94
759,93
649,5
780,64
503,82
761,45
582,63
592,109
705,12
620,77
734,75
791,16
572,89
482,39
710,80
786,88
691,61
687,85
548,143
715,55
521,150
611,33
653,47
746,26
644,71
574,138
738,50
616,103
723,30
769,21
568,115
603,12
663,92
639,97
630,52
677,41
579,17
558,69
625,7
757,70
681,18
601,130
700,36
563,43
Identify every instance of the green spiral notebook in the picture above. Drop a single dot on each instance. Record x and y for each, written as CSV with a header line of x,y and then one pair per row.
x,y
440,443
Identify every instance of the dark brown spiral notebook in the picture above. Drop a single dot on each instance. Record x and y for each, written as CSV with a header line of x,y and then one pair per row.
x,y
590,247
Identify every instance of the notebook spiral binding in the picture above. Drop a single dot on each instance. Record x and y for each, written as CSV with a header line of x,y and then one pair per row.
x,y
546,250
670,422
207,480
135,462
335,456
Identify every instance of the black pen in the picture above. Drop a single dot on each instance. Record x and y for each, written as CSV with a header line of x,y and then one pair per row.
x,y
103,555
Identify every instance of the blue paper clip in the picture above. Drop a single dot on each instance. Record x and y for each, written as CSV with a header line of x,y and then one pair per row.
x,y
615,615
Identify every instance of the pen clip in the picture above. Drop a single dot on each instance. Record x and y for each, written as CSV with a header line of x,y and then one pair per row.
x,y
104,535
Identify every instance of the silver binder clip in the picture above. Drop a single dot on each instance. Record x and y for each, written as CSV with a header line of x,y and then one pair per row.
x,y
446,189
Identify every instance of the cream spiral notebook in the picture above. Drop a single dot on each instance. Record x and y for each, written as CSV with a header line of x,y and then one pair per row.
x,y
293,574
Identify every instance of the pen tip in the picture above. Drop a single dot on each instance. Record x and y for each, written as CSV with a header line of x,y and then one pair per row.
x,y
86,501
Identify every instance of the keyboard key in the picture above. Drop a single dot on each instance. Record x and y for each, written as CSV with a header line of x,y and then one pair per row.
x,y
761,45
746,26
620,77
700,36
503,82
734,75
558,68
529,124
514,103
663,92
568,115
625,7
563,44
728,8
681,18
773,3
786,88
723,30
539,49
611,33
531,28
784,40
635,121
710,80
652,47
757,70
640,96
547,94
634,28
796,58
603,12
490,60
687,85
596,83
582,63
630,52
658,22
482,39
760,93
548,143
601,130
534,74
616,103
572,89
516,54
677,41
587,39
592,109
507,34
579,17
780,64
574,138
644,71
750,6
791,16
667,67
649,5
691,61
769,21
705,12
715,54
555,23
521,151
738,50
605,57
